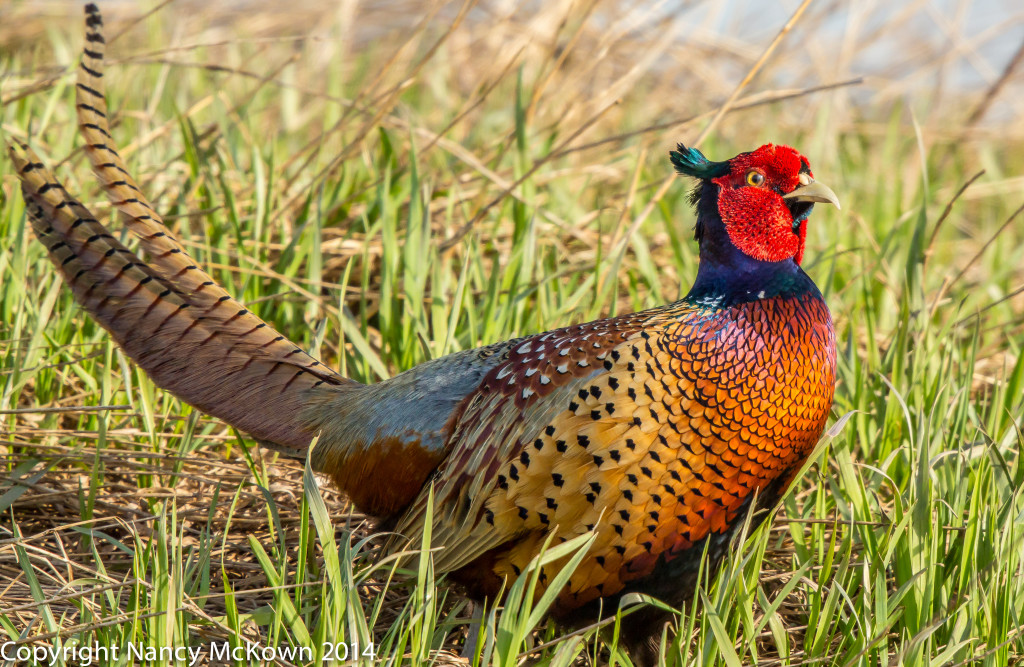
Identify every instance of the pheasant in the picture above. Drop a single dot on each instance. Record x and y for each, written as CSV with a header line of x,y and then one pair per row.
x,y
658,431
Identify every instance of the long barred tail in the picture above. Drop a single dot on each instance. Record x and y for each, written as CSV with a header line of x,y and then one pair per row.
x,y
178,325
163,249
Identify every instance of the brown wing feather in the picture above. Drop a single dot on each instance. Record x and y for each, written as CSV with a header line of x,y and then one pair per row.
x,y
498,423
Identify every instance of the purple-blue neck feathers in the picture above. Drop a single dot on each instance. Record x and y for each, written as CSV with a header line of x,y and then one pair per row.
x,y
726,274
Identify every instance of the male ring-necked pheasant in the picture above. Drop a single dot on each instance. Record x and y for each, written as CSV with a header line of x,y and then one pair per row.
x,y
655,429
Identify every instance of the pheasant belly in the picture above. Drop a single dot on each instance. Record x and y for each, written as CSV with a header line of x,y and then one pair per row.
x,y
663,448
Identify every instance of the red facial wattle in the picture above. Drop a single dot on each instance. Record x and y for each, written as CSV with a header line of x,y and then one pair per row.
x,y
757,218
759,223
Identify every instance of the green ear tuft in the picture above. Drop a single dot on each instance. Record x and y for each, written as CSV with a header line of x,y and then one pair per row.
x,y
691,162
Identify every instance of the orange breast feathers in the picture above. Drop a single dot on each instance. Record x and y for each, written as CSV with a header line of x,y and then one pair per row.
x,y
666,444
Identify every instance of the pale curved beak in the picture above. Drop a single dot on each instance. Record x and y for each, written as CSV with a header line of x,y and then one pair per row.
x,y
813,191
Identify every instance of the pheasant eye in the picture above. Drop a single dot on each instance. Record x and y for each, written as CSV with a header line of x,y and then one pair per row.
x,y
755,178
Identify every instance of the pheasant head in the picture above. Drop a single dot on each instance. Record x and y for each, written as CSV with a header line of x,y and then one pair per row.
x,y
763,199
